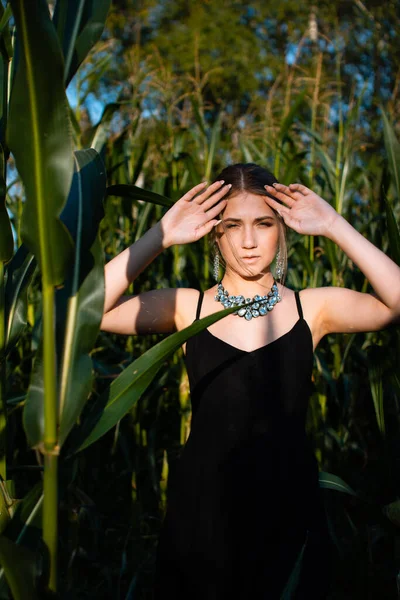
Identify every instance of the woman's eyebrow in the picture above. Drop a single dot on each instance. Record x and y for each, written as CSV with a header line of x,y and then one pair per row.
x,y
257,220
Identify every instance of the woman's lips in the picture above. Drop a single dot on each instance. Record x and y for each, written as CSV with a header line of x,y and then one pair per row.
x,y
250,258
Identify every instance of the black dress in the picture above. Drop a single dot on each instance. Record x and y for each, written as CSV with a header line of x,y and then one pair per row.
x,y
245,496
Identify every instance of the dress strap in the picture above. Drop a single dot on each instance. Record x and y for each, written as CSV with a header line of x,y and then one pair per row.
x,y
199,303
299,308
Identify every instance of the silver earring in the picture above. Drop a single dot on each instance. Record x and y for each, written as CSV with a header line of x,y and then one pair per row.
x,y
216,267
279,266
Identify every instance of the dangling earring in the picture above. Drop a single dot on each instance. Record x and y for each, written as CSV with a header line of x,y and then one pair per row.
x,y
216,266
279,266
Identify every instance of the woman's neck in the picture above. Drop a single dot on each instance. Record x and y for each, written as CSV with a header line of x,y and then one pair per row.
x,y
247,286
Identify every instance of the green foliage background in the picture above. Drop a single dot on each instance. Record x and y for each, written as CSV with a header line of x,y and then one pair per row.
x,y
171,93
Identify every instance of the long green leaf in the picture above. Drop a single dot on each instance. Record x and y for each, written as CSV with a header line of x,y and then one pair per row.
x,y
213,146
19,566
79,304
333,482
96,137
292,583
82,299
79,25
19,273
392,146
25,523
126,390
375,374
136,193
292,114
43,154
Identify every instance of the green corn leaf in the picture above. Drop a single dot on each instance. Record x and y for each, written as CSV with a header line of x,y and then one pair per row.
x,y
79,304
328,167
393,232
392,147
375,374
301,251
198,116
136,193
292,114
213,146
19,273
140,162
331,253
43,154
329,481
19,566
79,25
293,581
293,168
97,135
127,388
247,156
25,524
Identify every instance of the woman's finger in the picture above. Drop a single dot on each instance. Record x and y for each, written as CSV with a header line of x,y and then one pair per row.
x,y
298,187
208,192
206,228
282,193
281,209
207,204
216,210
192,193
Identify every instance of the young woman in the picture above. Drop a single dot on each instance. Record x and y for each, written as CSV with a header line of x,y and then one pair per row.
x,y
245,501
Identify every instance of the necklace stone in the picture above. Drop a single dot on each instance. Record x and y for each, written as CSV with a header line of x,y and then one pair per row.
x,y
256,307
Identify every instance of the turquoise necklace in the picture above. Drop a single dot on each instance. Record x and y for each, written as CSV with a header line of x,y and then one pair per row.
x,y
256,306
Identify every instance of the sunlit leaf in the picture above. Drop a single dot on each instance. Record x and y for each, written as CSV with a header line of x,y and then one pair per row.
x,y
43,154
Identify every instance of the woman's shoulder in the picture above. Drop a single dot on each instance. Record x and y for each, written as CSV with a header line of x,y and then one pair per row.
x,y
186,304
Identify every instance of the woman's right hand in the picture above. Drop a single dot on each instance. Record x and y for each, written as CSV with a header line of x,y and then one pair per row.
x,y
194,215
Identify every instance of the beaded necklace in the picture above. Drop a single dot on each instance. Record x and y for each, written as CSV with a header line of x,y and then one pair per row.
x,y
256,306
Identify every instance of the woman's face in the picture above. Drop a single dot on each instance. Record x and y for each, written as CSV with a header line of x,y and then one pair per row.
x,y
253,230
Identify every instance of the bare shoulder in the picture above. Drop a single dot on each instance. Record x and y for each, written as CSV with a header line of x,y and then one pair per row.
x,y
186,305
312,302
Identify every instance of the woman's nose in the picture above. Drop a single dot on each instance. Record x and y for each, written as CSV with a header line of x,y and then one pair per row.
x,y
249,238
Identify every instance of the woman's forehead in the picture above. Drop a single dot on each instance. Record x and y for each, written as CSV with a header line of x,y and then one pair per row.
x,y
245,204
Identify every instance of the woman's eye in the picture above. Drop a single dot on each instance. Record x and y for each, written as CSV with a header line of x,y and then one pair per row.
x,y
267,224
230,225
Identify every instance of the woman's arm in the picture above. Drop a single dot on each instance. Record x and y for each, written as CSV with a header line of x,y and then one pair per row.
x,y
340,309
188,220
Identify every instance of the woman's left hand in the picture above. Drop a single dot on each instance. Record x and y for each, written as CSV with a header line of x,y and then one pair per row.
x,y
302,209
